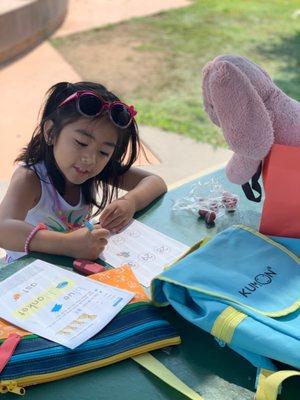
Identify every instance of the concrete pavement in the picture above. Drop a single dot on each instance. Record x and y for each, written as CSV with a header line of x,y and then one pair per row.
x,y
88,14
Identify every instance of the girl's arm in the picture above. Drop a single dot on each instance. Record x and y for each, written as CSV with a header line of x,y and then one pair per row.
x,y
23,194
142,188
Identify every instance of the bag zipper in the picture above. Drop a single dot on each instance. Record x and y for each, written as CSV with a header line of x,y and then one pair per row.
x,y
60,350
17,386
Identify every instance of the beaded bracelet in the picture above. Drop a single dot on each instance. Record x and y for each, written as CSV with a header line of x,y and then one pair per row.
x,y
31,235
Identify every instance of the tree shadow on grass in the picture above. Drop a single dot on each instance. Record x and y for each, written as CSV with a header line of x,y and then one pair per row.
x,y
286,50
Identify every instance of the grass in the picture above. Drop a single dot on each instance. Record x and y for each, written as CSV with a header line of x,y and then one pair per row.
x,y
184,40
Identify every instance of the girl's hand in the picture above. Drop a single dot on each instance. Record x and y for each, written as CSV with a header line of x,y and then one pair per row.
x,y
82,243
117,214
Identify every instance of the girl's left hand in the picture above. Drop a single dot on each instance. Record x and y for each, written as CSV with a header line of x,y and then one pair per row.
x,y
117,214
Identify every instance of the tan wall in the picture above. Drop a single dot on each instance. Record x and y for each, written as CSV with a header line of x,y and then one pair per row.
x,y
30,23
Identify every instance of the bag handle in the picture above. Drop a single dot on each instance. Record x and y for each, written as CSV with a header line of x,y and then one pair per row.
x,y
158,369
269,383
255,185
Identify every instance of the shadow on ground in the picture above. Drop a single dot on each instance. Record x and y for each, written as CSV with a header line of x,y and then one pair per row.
x,y
286,49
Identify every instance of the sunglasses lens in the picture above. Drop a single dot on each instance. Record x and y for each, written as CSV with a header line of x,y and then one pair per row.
x,y
120,115
90,105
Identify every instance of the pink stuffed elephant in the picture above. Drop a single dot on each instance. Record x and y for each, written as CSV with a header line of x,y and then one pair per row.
x,y
251,110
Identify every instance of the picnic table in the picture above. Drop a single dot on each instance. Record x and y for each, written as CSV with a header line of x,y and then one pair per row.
x,y
217,373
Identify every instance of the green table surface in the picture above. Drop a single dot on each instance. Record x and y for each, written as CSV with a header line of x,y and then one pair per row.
x,y
217,373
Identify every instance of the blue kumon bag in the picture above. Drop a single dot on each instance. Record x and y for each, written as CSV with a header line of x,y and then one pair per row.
x,y
243,288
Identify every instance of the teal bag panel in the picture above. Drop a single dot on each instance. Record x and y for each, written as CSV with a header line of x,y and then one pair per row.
x,y
262,339
286,325
246,270
258,337
197,309
257,360
292,244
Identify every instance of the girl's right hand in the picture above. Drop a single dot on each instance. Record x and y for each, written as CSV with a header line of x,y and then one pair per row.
x,y
83,243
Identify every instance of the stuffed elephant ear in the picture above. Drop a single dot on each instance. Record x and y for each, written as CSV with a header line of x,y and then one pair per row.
x,y
240,169
207,101
240,111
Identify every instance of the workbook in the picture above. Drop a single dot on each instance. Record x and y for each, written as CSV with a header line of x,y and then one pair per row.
x,y
59,305
144,249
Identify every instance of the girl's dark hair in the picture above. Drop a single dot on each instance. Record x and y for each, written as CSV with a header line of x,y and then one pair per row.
x,y
124,155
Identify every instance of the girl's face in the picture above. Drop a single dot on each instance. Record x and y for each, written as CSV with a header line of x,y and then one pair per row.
x,y
83,148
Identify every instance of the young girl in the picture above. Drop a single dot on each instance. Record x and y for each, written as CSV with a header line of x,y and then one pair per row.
x,y
86,139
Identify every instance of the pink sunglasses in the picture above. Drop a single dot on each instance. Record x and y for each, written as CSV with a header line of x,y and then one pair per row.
x,y
90,104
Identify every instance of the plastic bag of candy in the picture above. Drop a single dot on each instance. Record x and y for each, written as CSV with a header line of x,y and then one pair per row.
x,y
209,201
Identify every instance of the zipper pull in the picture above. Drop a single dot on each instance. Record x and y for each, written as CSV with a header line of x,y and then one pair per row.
x,y
13,387
7,349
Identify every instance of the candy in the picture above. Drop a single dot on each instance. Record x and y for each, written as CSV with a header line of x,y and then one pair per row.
x,y
210,218
229,201
214,206
202,213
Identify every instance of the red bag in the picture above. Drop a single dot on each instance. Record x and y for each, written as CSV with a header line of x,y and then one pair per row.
x,y
281,179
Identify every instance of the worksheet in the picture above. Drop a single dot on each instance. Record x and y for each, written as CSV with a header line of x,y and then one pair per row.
x,y
144,249
59,305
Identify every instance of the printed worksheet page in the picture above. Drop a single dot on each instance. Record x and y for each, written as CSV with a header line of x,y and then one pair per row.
x,y
144,249
59,305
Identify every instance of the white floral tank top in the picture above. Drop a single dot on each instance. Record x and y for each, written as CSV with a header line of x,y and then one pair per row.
x,y
46,211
